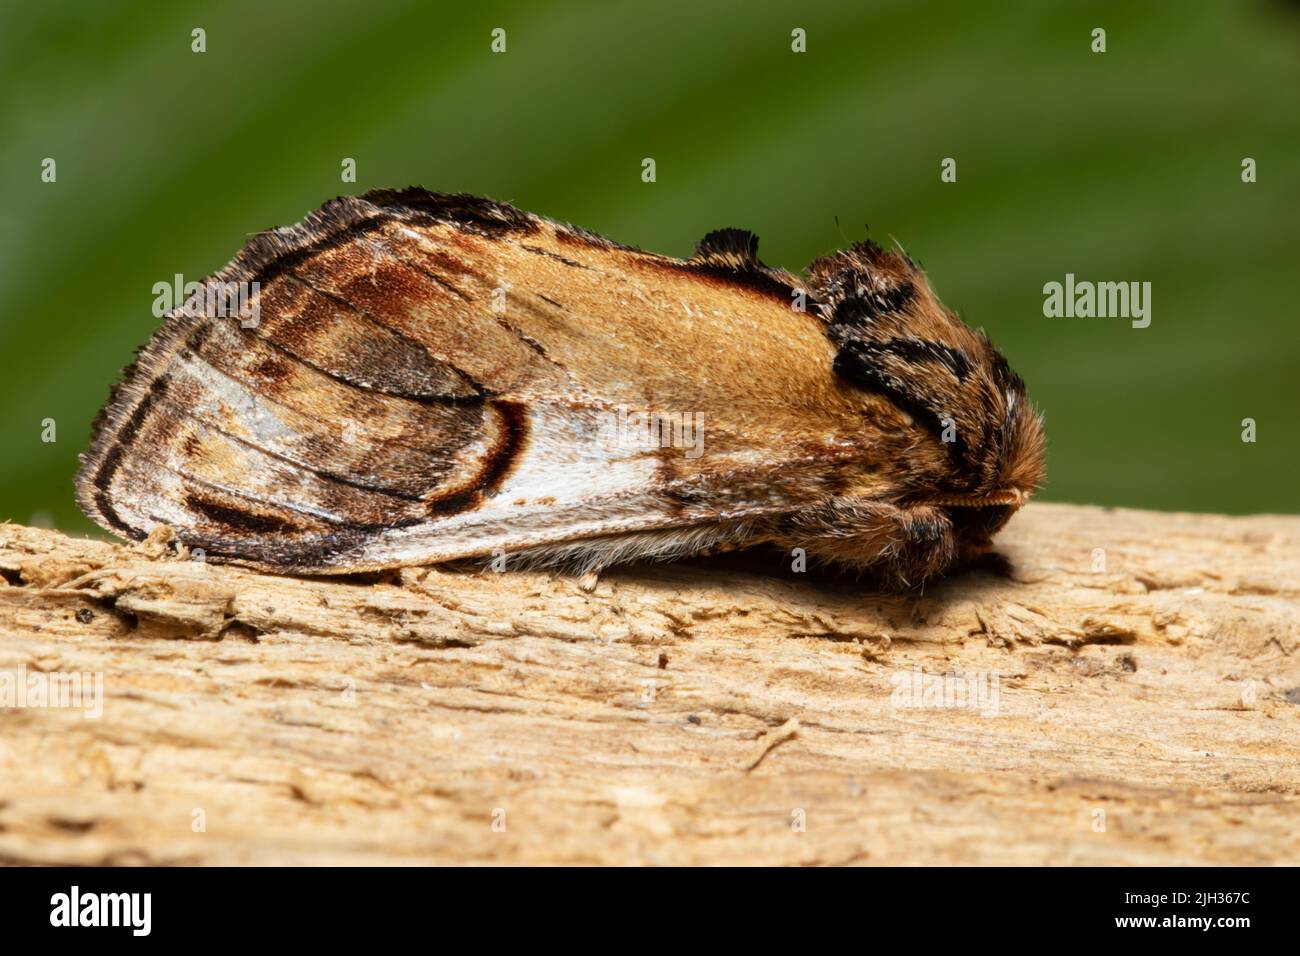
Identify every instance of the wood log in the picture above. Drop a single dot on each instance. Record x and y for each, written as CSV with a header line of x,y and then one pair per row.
x,y
1127,691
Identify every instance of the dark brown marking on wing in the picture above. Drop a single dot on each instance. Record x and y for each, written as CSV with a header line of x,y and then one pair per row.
x,y
453,503
270,370
442,281
238,513
410,255
447,381
486,216
411,258
524,337
113,460
239,519
410,462
240,496
274,260
509,446
341,221
319,472
449,392
498,462
538,251
386,289
384,360
450,264
528,340
760,281
308,518
414,256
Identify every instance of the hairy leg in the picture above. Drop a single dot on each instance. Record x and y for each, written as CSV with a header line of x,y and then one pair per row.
x,y
902,547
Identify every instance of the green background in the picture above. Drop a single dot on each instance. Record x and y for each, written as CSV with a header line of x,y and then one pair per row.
x,y
1117,166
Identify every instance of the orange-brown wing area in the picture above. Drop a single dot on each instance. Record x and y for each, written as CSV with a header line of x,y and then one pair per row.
x,y
427,377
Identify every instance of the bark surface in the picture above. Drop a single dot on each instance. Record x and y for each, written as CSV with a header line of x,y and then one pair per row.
x,y
1127,693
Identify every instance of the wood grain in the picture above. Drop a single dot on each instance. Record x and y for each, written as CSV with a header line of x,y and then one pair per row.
x,y
1147,713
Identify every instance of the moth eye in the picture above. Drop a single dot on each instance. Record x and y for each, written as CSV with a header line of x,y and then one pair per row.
x,y
981,521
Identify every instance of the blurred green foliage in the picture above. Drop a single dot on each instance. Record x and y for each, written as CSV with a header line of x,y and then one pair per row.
x,y
1117,166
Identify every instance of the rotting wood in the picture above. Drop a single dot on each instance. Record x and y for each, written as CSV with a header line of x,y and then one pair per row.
x,y
1147,708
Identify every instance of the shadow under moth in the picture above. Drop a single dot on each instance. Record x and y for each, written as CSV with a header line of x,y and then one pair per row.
x,y
432,378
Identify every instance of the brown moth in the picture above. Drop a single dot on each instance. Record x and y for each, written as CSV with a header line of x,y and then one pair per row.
x,y
439,377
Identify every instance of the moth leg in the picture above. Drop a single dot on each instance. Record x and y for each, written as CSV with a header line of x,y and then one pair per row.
x,y
901,546
589,579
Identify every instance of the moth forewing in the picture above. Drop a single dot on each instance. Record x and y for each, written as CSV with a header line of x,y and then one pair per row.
x,y
436,377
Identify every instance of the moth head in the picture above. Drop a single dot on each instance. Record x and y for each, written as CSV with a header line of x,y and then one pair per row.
x,y
964,432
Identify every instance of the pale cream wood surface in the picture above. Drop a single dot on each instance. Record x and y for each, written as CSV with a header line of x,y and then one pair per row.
x,y
1147,709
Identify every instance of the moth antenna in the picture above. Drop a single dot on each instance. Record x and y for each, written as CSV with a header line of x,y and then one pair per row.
x,y
840,229
910,261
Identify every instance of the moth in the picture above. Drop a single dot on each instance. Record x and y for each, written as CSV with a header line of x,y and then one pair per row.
x,y
435,377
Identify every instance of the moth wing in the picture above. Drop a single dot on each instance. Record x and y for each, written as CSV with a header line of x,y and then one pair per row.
x,y
416,378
